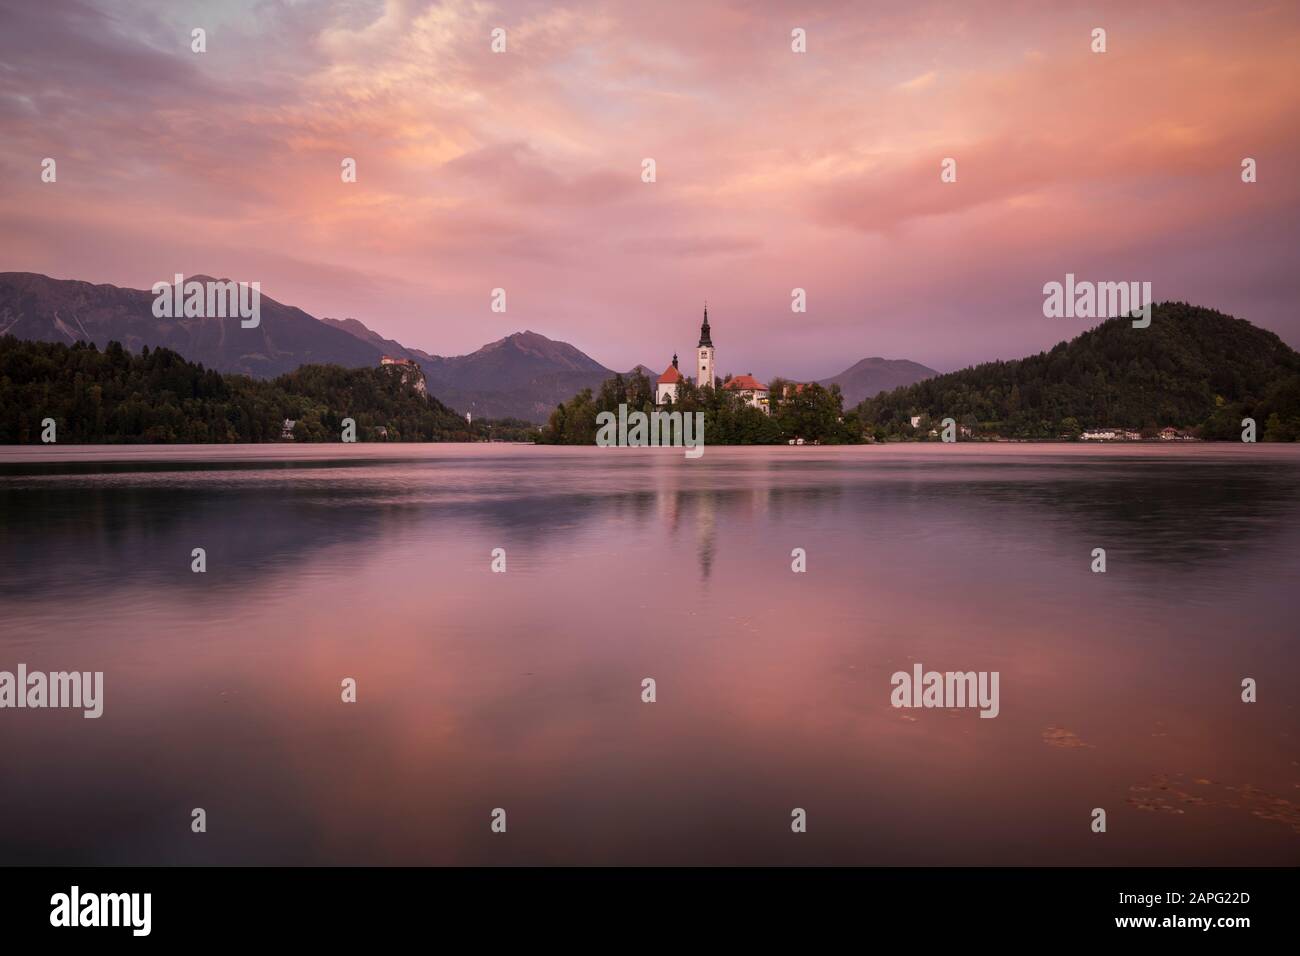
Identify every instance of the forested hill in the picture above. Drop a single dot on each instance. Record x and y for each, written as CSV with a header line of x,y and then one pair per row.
x,y
157,396
1193,368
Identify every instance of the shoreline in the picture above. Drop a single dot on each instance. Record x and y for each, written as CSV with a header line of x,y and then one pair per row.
x,y
29,459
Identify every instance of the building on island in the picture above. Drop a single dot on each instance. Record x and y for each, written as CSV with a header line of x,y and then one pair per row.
x,y
286,429
750,389
752,392
705,347
666,389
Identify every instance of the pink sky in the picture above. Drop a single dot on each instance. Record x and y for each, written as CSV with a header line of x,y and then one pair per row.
x,y
776,170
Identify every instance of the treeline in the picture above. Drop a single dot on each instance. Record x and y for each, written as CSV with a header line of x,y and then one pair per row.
x,y
810,412
506,429
157,396
1193,369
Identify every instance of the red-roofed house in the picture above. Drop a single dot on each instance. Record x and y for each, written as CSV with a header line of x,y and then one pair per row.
x,y
751,390
666,390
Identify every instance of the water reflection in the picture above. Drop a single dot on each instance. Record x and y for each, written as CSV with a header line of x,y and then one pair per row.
x,y
523,690
264,521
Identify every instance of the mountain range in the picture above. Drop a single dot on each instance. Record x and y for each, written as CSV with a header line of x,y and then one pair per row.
x,y
42,309
524,375
871,376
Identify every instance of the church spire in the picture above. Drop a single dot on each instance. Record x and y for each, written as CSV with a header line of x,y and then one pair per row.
x,y
705,340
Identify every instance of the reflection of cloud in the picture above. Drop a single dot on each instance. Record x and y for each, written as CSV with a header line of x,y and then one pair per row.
x,y
1087,501
522,690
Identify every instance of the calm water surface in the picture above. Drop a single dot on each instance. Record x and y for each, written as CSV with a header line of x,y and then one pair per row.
x,y
523,690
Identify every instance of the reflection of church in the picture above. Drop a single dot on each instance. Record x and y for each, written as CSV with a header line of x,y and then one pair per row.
x,y
752,391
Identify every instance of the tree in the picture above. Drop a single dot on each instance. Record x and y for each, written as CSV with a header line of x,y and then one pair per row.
x,y
1192,368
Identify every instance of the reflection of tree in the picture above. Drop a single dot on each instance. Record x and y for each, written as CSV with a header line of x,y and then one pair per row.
x,y
705,532
1166,512
705,508
260,520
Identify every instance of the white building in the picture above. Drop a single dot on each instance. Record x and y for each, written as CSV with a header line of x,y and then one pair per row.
x,y
751,390
705,353
666,389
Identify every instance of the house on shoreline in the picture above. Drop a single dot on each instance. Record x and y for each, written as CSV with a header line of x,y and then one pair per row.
x,y
1115,433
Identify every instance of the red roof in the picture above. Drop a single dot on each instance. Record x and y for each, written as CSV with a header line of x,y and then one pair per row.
x,y
746,382
670,376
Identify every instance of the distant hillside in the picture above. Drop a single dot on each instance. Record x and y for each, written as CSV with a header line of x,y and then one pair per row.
x,y
156,396
1193,368
358,329
524,375
41,309
871,376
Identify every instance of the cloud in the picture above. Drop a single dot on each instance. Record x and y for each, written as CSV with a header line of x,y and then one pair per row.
x,y
918,83
690,246
775,169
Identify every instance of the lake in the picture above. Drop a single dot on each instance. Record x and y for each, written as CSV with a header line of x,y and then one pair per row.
x,y
522,690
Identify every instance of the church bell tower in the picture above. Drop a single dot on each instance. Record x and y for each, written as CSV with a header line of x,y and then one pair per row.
x,y
705,353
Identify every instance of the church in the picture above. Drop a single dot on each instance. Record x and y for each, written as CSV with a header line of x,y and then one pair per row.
x,y
751,391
